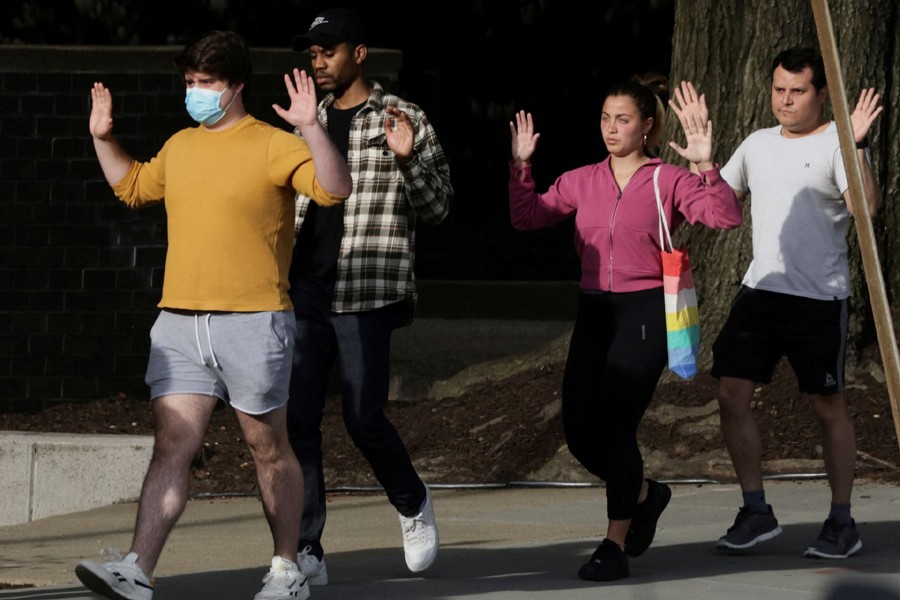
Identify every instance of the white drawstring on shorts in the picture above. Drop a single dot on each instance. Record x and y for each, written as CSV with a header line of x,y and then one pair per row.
x,y
212,352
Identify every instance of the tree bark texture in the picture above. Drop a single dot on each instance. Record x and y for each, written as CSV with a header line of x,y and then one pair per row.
x,y
726,48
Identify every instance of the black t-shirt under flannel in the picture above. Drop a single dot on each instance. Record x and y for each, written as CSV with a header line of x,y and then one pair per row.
x,y
319,241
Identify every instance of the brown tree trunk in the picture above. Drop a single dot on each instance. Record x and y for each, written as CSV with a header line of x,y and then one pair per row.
x,y
726,48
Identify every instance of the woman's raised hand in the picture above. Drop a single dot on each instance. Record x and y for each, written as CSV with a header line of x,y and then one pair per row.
x,y
694,116
524,138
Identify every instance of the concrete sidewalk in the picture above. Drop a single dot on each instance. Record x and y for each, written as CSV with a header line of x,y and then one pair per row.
x,y
495,544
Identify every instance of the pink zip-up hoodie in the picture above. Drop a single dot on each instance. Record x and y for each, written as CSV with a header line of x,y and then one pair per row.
x,y
617,232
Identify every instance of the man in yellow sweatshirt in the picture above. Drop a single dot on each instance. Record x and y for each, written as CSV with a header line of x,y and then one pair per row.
x,y
226,328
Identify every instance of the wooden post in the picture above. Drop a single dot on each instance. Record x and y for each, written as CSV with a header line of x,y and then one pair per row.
x,y
887,341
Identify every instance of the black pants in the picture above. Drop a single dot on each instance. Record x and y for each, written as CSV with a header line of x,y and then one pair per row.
x,y
616,356
360,342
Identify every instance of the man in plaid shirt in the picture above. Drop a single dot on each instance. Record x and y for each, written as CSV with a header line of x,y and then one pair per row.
x,y
352,281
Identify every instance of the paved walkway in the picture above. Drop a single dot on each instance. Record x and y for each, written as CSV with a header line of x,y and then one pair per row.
x,y
495,544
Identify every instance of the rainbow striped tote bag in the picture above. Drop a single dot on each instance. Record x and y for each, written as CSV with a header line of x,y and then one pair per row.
x,y
682,316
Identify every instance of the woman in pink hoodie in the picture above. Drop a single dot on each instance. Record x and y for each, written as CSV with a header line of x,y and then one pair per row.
x,y
618,347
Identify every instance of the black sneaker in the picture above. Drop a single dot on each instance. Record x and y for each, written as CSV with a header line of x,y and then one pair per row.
x,y
643,524
749,529
608,563
835,541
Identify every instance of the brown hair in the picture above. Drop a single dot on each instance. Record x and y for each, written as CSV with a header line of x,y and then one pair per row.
x,y
223,54
647,92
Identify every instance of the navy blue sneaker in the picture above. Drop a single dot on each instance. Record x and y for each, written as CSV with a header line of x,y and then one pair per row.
x,y
835,541
749,529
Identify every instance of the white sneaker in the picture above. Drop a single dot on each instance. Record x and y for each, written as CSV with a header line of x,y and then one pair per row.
x,y
284,581
117,578
312,567
420,536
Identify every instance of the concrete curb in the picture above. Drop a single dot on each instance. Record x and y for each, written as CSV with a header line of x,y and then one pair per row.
x,y
53,474
45,474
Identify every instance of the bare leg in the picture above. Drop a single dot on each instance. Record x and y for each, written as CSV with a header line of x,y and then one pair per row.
x,y
617,530
279,476
839,444
645,489
740,431
181,421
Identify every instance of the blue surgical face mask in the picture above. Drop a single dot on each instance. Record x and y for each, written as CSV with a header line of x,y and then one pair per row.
x,y
204,105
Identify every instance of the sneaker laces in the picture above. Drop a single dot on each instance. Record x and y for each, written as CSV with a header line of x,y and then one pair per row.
x,y
270,576
110,554
830,531
274,574
743,514
305,558
411,530
281,570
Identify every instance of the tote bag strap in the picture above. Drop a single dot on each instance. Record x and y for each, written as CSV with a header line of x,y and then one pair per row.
x,y
665,238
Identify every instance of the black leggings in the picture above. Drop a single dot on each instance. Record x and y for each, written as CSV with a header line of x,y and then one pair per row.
x,y
616,356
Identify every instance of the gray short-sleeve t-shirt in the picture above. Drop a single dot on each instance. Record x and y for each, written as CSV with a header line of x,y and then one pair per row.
x,y
797,210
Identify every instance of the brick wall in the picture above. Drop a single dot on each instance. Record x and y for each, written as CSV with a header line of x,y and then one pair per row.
x,y
80,274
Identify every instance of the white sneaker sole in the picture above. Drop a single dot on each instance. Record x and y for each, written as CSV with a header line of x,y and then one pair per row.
x,y
726,545
302,593
813,553
101,580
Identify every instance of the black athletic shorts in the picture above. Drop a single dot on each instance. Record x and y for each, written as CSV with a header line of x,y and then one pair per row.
x,y
762,327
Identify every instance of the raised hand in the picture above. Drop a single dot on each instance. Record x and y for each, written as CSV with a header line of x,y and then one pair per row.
x,y
302,92
689,102
114,161
101,121
524,138
693,113
399,133
865,113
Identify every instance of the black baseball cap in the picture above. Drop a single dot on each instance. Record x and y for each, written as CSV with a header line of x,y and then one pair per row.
x,y
329,28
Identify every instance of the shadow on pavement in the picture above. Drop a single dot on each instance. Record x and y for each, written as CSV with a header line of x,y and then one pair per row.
x,y
688,570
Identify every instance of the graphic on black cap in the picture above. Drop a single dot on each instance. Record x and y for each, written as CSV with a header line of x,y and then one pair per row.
x,y
329,28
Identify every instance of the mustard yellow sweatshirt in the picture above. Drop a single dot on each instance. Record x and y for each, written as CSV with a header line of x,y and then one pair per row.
x,y
229,199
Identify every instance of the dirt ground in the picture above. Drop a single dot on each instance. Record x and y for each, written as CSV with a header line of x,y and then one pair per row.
x,y
509,430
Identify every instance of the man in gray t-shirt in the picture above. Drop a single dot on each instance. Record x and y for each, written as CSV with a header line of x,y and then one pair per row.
x,y
793,301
